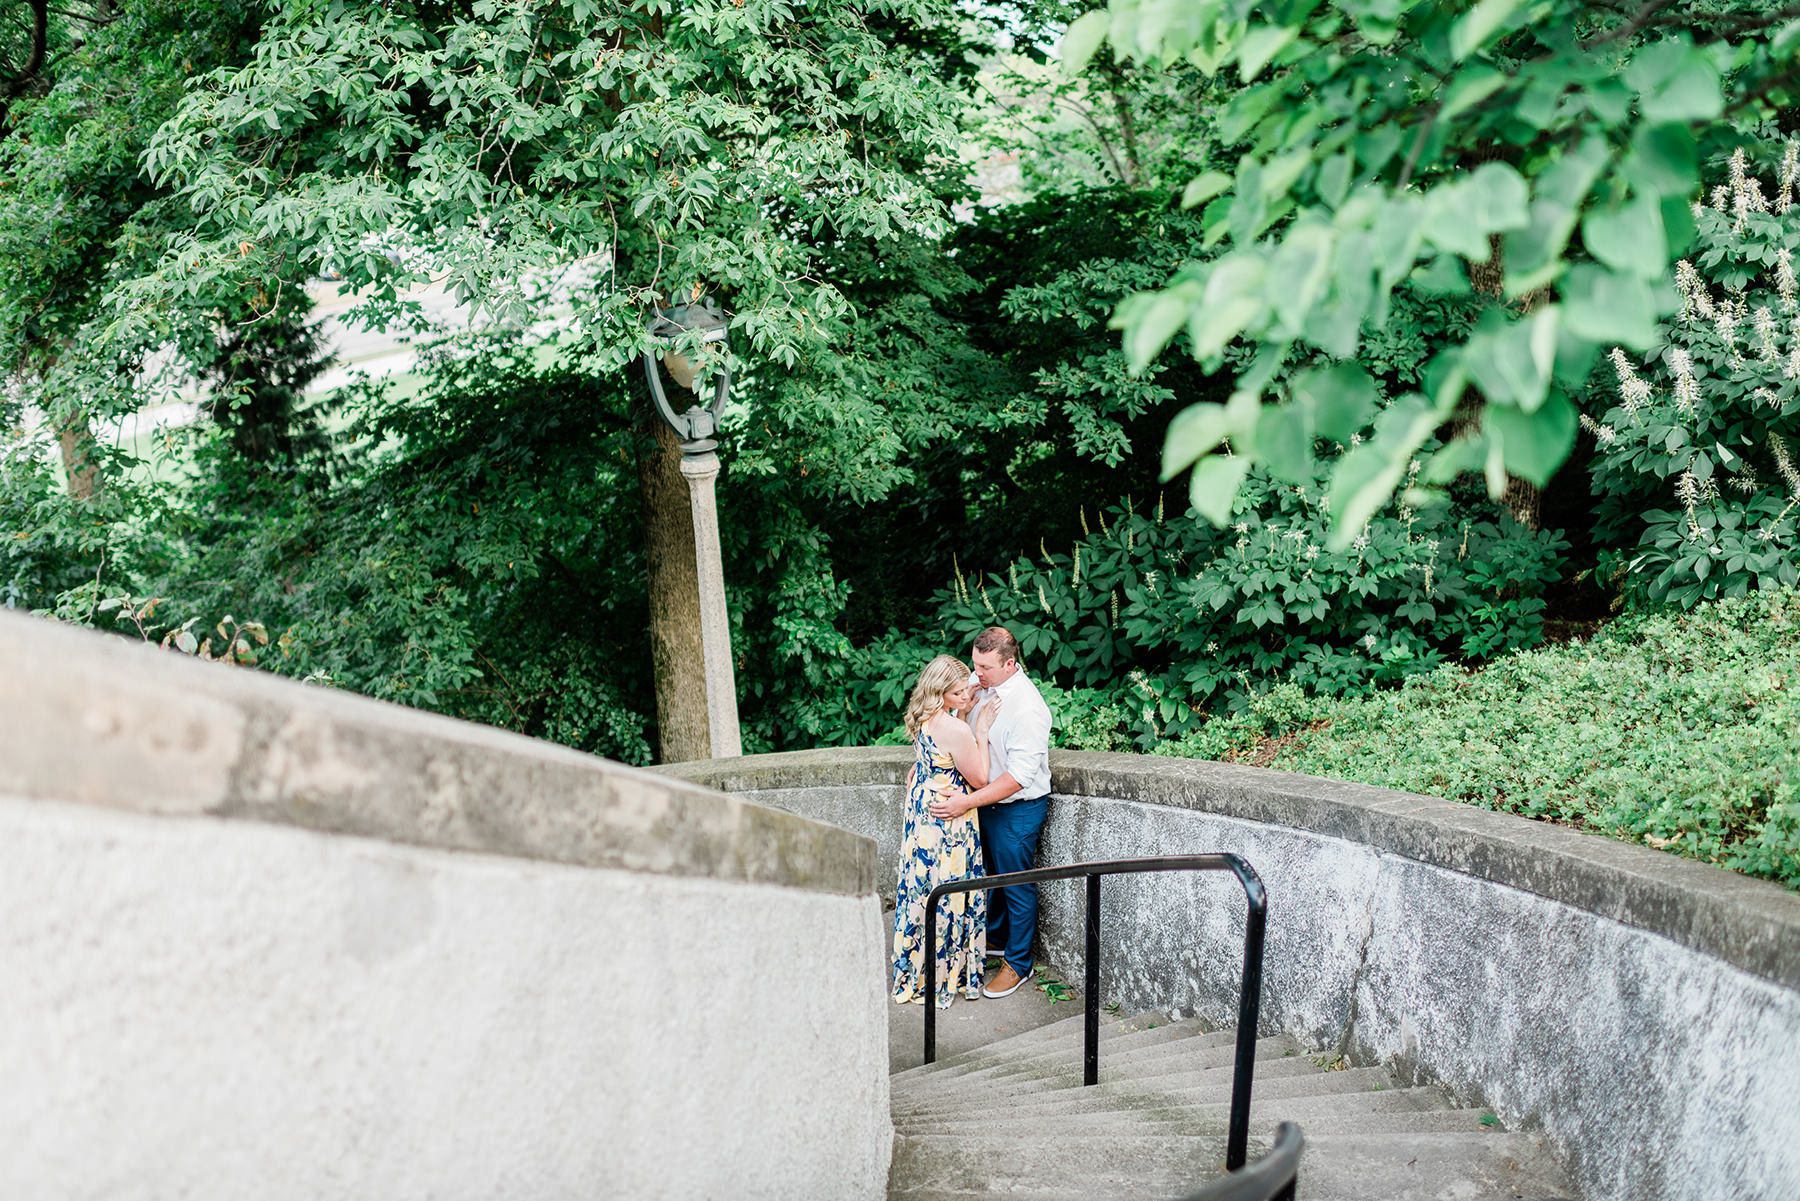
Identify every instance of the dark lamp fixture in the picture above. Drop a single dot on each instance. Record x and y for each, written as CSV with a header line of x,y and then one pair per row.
x,y
698,426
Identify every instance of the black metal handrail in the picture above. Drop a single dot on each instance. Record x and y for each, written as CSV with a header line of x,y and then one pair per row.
x,y
1256,904
1271,1178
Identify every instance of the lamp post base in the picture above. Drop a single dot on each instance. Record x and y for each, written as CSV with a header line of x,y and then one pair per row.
x,y
700,471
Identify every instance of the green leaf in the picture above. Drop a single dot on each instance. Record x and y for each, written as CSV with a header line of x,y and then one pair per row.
x,y
1460,216
1376,146
1366,477
1629,237
1215,485
1279,173
1284,443
1482,22
1787,40
1196,430
1341,399
1377,20
1232,300
1575,357
1297,273
1534,445
1443,275
1664,160
1675,82
1334,178
1259,46
1610,306
1469,88
1399,235
1534,254
1679,229
1149,320
1204,187
1511,361
1083,39
1462,455
1245,110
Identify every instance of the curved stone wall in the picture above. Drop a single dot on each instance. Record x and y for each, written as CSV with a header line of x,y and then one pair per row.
x,y
267,940
1642,1011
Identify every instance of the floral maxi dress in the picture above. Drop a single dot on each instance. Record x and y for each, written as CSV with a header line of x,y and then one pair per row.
x,y
934,851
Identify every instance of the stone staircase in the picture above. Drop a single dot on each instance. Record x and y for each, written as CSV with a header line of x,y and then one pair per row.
x,y
1011,1119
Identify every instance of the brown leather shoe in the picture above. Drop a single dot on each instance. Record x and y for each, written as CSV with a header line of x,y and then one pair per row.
x,y
1005,983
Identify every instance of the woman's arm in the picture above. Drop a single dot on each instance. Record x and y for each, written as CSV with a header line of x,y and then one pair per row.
x,y
968,752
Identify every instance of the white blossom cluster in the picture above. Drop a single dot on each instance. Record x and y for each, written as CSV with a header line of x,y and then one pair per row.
x,y
1634,393
1687,388
1746,193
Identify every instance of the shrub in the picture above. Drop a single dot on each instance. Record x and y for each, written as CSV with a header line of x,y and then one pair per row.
x,y
1694,467
1671,729
1171,618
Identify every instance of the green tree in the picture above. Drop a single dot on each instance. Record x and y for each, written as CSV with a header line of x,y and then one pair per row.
x,y
1375,142
577,158
77,213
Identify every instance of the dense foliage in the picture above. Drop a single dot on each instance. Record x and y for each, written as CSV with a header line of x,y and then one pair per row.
x,y
1377,141
1168,618
1671,729
1695,461
1415,226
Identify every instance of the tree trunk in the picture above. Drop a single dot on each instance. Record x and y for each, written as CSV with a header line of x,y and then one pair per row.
x,y
676,652
77,443
1523,497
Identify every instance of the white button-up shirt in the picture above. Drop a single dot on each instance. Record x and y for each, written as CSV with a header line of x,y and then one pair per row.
x,y
1019,741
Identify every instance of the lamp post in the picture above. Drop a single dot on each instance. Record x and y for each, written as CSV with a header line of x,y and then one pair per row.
x,y
697,427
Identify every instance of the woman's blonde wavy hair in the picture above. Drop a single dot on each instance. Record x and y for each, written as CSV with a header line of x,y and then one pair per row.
x,y
942,675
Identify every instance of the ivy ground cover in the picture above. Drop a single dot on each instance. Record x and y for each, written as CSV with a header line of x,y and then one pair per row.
x,y
1677,730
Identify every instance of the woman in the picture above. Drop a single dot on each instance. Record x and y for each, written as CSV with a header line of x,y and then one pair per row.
x,y
933,851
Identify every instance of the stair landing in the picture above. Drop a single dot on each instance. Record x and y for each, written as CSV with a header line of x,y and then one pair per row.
x,y
1011,1119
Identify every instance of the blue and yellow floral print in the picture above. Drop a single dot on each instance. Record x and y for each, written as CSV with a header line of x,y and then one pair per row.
x,y
934,852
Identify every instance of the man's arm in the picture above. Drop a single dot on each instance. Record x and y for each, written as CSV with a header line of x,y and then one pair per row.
x,y
957,804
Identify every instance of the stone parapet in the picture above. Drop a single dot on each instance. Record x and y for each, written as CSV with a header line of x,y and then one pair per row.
x,y
101,721
276,941
1641,1010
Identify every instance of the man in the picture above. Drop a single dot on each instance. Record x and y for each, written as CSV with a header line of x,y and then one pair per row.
x,y
1013,805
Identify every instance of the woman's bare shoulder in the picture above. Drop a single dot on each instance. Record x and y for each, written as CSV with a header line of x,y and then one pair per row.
x,y
947,729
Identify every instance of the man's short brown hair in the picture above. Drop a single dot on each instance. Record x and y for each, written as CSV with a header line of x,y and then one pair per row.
x,y
998,639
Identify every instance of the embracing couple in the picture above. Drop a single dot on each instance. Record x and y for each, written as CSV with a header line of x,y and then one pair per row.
x,y
975,804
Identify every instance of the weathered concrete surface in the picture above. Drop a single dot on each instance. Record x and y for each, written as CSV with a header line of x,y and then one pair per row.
x,y
1012,1120
102,721
1750,924
968,1024
276,941
1641,1010
217,1010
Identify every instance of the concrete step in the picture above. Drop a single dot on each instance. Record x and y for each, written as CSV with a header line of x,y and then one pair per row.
x,y
1049,1087
1427,1167
1151,1114
1111,1027
929,1167
1398,1166
1281,1078
1116,1038
1188,1054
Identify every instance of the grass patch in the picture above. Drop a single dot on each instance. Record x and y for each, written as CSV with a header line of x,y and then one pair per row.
x,y
1680,731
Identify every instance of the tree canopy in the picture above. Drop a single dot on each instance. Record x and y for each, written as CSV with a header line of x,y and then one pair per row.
x,y
1364,266
1546,153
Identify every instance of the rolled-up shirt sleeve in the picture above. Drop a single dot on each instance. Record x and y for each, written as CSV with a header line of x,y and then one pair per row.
x,y
1028,751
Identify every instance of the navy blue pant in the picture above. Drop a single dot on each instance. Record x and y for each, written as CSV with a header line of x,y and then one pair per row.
x,y
1009,843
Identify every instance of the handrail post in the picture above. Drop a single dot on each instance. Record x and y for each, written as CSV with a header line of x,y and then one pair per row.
x,y
931,903
1090,1068
1237,1139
